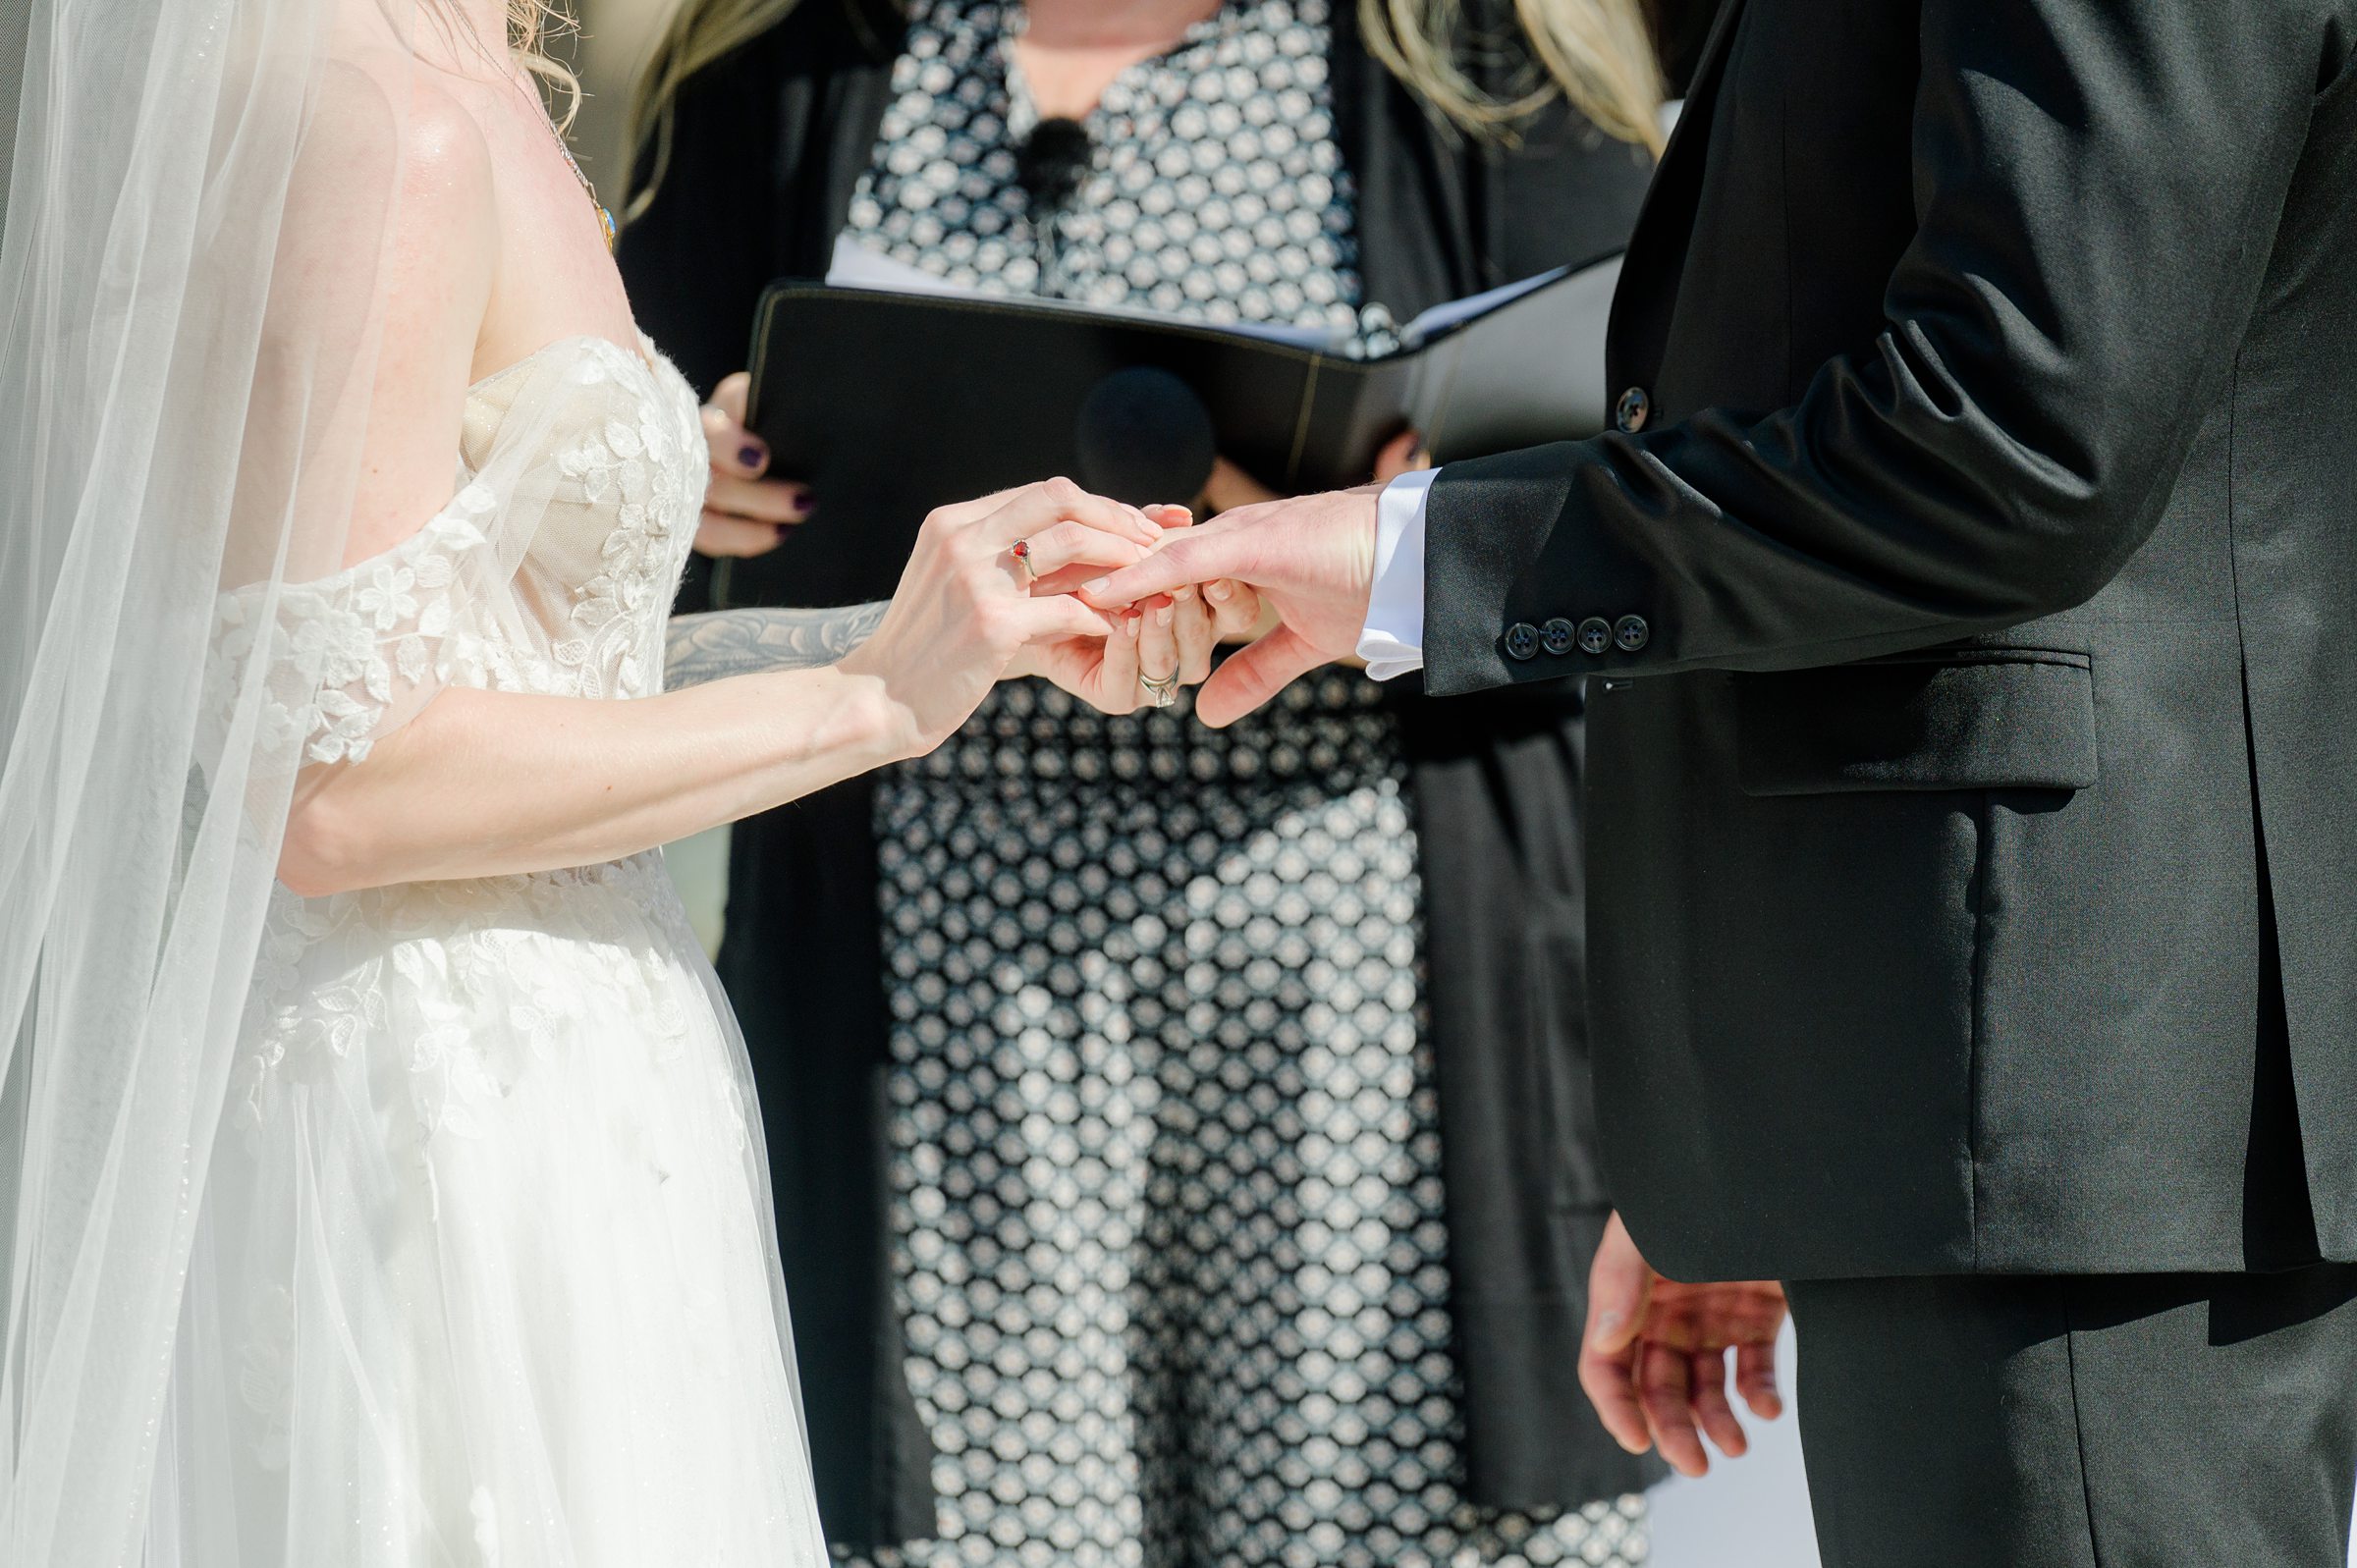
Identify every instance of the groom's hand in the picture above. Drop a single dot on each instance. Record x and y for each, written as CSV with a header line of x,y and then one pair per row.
x,y
1653,1361
1311,558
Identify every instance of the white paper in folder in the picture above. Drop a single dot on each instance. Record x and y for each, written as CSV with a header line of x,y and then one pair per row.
x,y
855,266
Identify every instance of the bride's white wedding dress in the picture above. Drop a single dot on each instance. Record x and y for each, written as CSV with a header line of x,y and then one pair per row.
x,y
483,1275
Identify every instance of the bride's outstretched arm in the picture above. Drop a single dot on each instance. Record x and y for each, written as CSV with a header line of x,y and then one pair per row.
x,y
490,783
742,642
485,783
479,783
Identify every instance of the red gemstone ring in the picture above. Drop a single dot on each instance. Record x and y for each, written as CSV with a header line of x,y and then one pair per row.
x,y
1021,551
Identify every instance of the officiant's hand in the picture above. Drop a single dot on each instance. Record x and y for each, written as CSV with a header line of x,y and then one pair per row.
x,y
1312,558
1654,1360
746,513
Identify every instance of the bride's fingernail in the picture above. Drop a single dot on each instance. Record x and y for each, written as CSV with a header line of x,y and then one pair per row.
x,y
1130,624
1219,593
1163,616
1096,585
1182,594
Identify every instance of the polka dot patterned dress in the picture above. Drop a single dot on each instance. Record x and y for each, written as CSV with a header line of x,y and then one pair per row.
x,y
1168,1207
1215,191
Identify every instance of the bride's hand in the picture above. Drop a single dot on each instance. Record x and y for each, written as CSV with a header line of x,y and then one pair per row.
x,y
965,610
1170,640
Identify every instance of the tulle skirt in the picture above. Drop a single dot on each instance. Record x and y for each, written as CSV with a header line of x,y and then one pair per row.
x,y
484,1273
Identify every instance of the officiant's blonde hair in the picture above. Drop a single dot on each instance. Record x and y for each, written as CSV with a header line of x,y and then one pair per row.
x,y
1597,54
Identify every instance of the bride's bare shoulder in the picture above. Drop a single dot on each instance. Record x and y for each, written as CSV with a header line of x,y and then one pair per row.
x,y
395,124
392,225
392,210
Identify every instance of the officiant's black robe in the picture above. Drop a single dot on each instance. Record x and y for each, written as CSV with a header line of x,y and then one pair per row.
x,y
768,147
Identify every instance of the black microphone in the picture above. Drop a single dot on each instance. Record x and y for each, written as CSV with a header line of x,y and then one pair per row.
x,y
1143,436
1051,163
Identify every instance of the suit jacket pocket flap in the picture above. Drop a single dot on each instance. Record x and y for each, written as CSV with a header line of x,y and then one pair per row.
x,y
1961,719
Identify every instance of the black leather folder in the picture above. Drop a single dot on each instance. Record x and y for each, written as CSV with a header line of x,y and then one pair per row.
x,y
891,403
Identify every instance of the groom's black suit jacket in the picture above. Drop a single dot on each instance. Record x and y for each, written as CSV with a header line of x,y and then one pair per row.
x,y
1976,581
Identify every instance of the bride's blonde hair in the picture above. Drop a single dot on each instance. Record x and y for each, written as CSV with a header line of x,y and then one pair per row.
x,y
1597,54
531,24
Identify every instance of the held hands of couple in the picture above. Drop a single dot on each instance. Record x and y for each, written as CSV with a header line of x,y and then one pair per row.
x,y
1166,640
1654,1358
1311,559
969,612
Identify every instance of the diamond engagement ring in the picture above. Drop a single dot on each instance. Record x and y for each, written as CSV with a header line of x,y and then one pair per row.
x,y
1160,693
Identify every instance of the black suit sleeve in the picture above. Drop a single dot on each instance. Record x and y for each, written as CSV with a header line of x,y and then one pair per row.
x,y
2097,187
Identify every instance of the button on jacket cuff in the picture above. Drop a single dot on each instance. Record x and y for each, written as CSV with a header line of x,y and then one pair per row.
x,y
1392,640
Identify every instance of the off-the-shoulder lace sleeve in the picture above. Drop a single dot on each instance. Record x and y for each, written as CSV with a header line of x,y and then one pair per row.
x,y
347,658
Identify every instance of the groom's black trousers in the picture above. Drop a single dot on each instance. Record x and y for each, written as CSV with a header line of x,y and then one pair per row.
x,y
2181,1421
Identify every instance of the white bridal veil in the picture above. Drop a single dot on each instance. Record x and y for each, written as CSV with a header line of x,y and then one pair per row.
x,y
190,276
187,339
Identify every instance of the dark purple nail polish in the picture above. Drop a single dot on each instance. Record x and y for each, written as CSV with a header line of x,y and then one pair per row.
x,y
752,455
801,502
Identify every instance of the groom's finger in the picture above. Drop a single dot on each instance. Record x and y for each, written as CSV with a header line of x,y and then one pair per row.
x,y
1710,1409
1213,550
1610,1382
1234,609
1069,580
1258,672
1666,1388
1620,1288
1755,1380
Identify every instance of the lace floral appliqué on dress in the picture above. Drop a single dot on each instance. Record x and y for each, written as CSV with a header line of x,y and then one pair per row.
x,y
549,572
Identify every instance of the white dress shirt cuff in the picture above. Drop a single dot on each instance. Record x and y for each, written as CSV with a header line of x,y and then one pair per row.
x,y
1392,640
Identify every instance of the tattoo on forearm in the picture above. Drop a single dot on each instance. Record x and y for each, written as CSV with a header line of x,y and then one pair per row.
x,y
743,642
